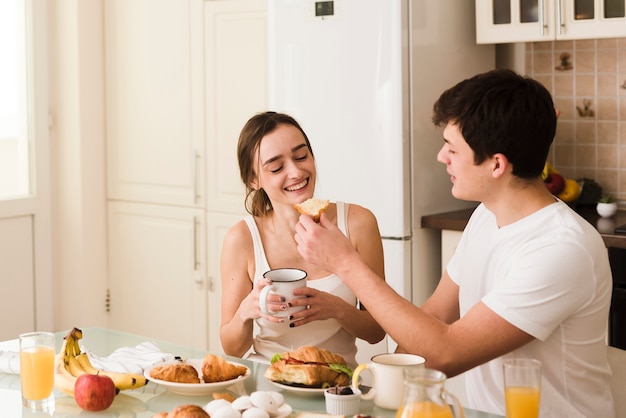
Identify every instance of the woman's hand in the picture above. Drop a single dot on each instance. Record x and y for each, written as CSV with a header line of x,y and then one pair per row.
x,y
318,305
250,307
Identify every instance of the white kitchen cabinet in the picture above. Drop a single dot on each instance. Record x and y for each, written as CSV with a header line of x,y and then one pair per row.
x,y
235,89
154,101
505,21
449,241
182,78
157,262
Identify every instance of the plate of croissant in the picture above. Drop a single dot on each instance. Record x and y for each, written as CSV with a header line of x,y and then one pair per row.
x,y
197,377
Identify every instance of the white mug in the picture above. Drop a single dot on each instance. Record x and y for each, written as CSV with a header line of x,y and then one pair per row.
x,y
284,281
388,381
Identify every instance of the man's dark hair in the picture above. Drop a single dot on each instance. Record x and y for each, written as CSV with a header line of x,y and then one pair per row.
x,y
502,112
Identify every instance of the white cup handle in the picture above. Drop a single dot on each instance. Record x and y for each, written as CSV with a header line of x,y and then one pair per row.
x,y
355,382
263,299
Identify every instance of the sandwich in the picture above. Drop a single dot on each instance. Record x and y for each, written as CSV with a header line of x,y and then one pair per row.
x,y
312,207
309,367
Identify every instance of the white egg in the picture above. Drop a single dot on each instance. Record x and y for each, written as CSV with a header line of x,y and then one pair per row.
x,y
226,412
242,402
278,397
214,405
255,412
264,400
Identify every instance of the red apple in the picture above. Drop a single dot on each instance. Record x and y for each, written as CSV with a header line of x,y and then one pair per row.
x,y
94,392
555,183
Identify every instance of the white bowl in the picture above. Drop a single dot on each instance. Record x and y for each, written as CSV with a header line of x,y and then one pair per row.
x,y
346,405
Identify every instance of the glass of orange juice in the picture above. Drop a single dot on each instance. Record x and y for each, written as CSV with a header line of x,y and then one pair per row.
x,y
37,369
522,387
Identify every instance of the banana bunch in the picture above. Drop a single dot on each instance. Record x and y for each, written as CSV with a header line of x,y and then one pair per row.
x,y
70,363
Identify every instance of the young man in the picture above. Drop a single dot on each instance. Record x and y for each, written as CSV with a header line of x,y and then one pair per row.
x,y
530,278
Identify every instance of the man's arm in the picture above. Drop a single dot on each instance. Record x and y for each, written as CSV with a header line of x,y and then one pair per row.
x,y
447,343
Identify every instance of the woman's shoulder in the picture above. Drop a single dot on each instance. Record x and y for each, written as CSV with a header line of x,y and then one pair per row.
x,y
358,213
238,234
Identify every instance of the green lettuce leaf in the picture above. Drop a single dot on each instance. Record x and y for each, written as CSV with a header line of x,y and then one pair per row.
x,y
276,357
341,368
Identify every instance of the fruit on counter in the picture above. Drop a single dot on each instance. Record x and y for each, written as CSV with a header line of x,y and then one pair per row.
x,y
555,183
70,363
94,392
570,192
547,170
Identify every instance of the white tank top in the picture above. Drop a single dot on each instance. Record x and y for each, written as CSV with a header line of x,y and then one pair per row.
x,y
271,338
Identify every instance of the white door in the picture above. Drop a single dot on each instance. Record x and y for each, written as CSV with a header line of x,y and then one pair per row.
x,y
26,301
156,272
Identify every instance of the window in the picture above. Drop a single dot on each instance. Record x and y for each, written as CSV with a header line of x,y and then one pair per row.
x,y
15,178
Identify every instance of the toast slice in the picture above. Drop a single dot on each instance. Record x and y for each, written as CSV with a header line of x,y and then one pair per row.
x,y
313,207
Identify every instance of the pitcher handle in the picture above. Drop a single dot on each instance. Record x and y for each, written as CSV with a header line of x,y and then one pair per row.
x,y
454,402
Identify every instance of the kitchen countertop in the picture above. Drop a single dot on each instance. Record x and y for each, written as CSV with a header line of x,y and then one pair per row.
x,y
152,398
457,220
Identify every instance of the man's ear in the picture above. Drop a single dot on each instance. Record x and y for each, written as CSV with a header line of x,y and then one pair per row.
x,y
500,164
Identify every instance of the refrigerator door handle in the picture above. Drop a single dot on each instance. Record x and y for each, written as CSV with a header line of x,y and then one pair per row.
x,y
405,238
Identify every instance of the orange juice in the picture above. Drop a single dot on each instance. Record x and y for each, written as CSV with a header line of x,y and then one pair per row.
x,y
37,372
424,409
521,402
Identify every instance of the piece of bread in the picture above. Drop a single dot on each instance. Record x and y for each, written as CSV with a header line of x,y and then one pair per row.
x,y
217,369
313,207
176,372
308,366
224,395
188,411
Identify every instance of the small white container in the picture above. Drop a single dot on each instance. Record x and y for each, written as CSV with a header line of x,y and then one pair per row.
x,y
347,405
606,209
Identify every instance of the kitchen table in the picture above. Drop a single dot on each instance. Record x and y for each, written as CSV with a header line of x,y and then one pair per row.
x,y
152,398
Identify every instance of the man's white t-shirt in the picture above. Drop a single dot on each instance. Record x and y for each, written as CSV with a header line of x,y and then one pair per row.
x,y
548,274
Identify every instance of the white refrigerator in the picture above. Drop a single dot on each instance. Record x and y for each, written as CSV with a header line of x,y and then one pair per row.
x,y
361,77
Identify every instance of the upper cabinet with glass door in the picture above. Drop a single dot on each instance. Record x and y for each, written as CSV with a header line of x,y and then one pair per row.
x,y
503,21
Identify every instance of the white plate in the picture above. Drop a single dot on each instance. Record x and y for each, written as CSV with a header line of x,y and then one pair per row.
x,y
195,389
300,390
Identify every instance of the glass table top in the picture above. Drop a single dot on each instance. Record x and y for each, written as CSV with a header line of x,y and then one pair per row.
x,y
153,398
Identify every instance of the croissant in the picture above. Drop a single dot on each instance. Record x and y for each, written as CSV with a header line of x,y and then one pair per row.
x,y
216,369
184,411
176,372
